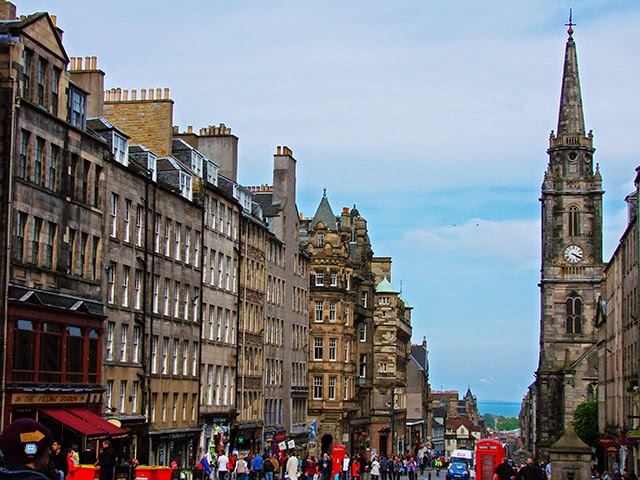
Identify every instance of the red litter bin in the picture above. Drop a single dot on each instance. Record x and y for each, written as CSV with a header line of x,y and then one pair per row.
x,y
145,472
163,473
86,472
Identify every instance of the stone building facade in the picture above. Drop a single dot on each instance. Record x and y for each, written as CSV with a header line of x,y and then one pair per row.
x,y
618,339
53,213
572,266
341,297
286,311
391,356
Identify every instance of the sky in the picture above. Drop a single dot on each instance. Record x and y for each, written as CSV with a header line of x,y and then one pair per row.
x,y
433,117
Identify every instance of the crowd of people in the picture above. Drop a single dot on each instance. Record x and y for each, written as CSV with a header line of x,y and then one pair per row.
x,y
289,465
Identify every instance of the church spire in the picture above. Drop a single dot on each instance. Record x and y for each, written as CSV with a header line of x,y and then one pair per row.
x,y
571,117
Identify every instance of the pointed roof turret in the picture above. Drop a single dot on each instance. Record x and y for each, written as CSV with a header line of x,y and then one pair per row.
x,y
571,116
324,214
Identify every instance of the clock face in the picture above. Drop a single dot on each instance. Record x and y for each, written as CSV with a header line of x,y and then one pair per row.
x,y
573,254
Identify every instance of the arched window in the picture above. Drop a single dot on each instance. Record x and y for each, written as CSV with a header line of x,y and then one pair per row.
x,y
574,221
574,313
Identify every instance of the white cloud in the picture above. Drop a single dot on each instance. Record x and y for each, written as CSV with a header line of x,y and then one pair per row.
x,y
513,241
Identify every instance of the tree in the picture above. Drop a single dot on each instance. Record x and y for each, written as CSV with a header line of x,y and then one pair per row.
x,y
585,422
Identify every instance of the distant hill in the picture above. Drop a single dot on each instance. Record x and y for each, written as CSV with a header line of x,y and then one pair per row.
x,y
499,408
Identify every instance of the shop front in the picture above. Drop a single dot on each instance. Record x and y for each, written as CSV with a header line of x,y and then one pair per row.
x,y
174,447
248,437
71,416
217,434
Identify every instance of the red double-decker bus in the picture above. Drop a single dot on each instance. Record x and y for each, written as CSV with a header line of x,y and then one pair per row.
x,y
489,454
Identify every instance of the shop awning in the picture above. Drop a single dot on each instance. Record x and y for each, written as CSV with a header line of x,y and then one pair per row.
x,y
84,421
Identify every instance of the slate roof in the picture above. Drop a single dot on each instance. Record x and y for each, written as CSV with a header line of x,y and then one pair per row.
x,y
325,215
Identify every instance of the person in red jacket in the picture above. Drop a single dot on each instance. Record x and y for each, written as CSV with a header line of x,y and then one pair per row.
x,y
71,463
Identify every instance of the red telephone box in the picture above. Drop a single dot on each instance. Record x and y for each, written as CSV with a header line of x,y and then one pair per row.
x,y
489,454
337,455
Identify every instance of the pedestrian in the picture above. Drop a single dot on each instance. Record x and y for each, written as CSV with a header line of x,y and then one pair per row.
x,y
88,455
222,463
423,463
292,466
325,467
267,467
25,445
504,471
375,468
411,468
231,465
345,466
72,464
531,471
242,469
355,468
311,468
276,466
384,467
283,463
107,461
59,459
256,467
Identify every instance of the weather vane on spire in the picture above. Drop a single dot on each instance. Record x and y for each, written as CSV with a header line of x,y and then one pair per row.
x,y
570,24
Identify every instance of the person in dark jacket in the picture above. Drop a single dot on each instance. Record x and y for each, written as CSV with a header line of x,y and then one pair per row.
x,y
25,446
531,471
107,461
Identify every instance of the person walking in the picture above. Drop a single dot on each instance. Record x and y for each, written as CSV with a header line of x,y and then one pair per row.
x,y
222,463
531,471
292,466
267,467
107,461
242,469
257,467
504,471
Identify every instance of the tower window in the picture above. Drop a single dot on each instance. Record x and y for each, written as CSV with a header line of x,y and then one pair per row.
x,y
574,313
574,221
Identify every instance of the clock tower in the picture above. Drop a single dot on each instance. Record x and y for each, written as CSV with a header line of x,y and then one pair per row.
x,y
572,267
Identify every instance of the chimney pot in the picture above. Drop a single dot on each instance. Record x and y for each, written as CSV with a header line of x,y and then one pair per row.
x,y
189,128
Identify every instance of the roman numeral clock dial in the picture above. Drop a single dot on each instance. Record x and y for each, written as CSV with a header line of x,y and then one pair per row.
x,y
573,254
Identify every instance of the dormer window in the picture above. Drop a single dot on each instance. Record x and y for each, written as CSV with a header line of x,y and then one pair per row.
x,y
321,239
196,163
212,173
77,115
120,149
152,166
185,185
